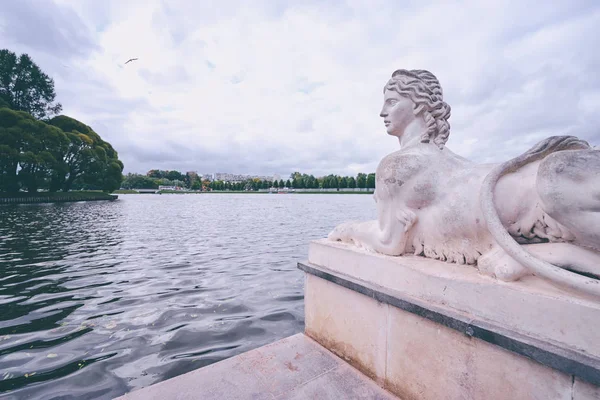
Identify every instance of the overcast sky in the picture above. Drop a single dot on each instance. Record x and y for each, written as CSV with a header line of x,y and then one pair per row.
x,y
264,87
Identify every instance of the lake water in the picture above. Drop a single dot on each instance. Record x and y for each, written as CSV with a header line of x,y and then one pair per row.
x,y
100,298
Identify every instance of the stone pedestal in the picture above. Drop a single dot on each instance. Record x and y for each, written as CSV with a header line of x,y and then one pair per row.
x,y
425,329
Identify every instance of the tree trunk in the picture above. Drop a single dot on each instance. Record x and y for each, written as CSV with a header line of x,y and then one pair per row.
x,y
56,182
69,183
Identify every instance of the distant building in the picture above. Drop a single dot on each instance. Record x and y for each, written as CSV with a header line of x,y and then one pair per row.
x,y
174,188
236,178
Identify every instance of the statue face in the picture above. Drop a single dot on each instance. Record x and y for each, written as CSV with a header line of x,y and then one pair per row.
x,y
397,112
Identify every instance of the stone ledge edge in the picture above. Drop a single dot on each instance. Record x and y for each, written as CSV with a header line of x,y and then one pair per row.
x,y
562,359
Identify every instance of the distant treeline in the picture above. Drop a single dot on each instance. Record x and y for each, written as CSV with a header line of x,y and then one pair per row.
x,y
38,151
155,178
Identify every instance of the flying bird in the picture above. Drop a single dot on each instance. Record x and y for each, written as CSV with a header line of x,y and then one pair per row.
x,y
130,60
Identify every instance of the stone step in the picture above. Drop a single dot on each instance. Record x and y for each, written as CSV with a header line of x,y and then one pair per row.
x,y
296,367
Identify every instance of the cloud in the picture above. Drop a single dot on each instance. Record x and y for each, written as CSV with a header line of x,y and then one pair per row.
x,y
275,87
46,28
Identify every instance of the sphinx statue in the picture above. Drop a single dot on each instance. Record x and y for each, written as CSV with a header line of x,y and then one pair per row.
x,y
537,214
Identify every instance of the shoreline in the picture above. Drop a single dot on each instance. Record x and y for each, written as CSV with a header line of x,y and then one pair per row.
x,y
241,192
57,197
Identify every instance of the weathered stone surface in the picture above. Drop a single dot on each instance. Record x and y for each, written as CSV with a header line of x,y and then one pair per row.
x,y
585,391
531,306
348,324
426,361
434,352
344,382
429,361
292,368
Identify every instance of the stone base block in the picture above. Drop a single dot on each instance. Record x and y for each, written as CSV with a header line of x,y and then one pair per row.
x,y
391,319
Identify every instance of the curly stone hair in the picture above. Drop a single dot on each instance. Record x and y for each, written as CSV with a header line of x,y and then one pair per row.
x,y
425,91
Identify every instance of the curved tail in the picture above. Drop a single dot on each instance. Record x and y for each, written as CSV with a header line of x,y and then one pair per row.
x,y
556,275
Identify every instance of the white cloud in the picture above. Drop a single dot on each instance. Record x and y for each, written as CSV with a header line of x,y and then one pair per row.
x,y
272,88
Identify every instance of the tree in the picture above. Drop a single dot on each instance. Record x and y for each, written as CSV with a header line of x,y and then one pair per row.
x,y
137,181
155,173
41,151
371,181
281,184
190,178
352,182
87,158
288,183
29,151
344,182
11,144
174,176
24,87
361,180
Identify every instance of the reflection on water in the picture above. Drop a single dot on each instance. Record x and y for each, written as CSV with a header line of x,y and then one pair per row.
x,y
100,298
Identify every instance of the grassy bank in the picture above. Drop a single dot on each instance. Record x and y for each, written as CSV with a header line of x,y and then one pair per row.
x,y
58,197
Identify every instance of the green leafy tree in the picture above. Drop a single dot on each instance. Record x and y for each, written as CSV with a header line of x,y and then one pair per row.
x,y
288,183
13,124
361,180
174,176
25,87
138,181
190,178
155,173
87,158
29,150
371,181
344,182
316,184
42,147
351,182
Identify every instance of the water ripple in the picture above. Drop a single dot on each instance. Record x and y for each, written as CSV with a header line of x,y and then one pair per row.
x,y
97,299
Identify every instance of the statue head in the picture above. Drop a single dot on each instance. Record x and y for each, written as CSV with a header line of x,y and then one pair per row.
x,y
421,91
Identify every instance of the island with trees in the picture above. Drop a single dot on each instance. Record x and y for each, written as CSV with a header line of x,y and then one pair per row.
x,y
45,156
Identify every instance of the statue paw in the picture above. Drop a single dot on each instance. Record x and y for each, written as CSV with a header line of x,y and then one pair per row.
x,y
497,264
342,232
